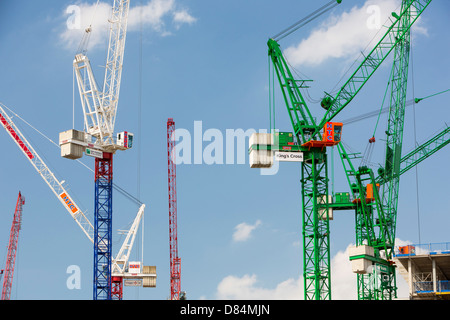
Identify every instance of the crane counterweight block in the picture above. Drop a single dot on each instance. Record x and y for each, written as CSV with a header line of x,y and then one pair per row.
x,y
73,143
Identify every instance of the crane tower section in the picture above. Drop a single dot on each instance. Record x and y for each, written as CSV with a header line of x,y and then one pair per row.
x,y
175,261
99,140
12,249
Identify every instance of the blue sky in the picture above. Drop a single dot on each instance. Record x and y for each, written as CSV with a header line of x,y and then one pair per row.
x,y
205,61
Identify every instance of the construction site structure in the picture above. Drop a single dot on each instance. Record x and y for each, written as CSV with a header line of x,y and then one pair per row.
x,y
175,261
12,249
124,272
99,140
426,269
375,215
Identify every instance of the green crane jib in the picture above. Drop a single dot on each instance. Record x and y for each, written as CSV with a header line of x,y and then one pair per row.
x,y
419,154
373,60
314,175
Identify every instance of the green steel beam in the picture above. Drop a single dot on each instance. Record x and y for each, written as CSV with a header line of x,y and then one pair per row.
x,y
370,229
396,118
316,229
314,170
314,182
372,61
302,121
425,150
394,141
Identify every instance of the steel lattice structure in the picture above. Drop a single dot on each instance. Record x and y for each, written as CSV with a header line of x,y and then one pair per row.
x,y
12,249
103,227
314,180
100,110
175,261
119,264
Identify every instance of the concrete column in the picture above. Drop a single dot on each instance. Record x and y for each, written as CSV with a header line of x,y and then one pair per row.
x,y
433,264
410,278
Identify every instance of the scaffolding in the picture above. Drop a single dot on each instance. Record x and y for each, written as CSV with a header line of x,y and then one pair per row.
x,y
426,269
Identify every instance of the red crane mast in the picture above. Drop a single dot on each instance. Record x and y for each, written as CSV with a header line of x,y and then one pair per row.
x,y
12,249
175,261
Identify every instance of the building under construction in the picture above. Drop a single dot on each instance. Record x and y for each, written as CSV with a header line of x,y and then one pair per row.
x,y
426,269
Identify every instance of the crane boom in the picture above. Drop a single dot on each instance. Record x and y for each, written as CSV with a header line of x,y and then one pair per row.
x,y
100,107
114,61
118,263
314,167
372,61
301,119
12,248
422,152
55,185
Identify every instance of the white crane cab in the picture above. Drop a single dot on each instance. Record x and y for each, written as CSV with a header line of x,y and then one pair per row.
x,y
125,140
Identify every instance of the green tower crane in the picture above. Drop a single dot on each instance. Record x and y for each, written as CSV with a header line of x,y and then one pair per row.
x,y
376,214
312,141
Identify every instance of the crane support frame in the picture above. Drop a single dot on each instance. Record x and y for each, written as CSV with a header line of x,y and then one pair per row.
x,y
12,249
103,227
175,261
316,229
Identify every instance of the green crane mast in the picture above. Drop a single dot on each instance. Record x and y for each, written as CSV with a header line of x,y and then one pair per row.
x,y
314,181
314,172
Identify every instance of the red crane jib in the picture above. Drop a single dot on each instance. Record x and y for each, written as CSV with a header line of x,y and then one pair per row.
x,y
13,133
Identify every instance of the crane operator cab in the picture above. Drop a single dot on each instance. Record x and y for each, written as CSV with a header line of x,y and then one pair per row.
x,y
125,140
332,132
331,136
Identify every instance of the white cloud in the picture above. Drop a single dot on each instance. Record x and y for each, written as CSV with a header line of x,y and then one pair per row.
x,y
345,36
246,287
343,284
243,231
156,15
183,17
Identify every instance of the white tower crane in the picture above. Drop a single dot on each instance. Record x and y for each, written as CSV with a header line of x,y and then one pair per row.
x,y
100,107
98,140
147,275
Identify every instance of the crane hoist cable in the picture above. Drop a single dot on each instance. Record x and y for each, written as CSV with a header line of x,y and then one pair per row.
x,y
370,114
82,47
304,21
415,142
417,100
